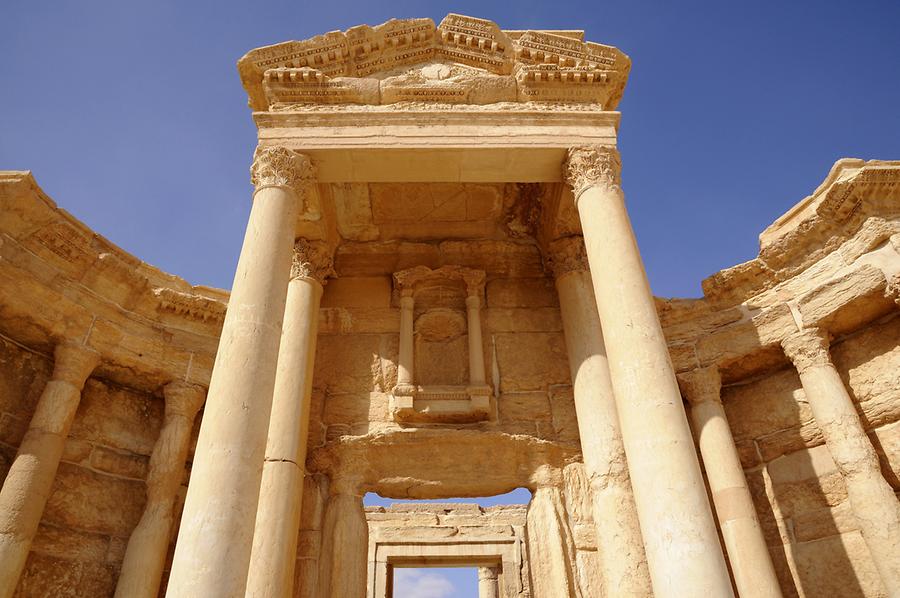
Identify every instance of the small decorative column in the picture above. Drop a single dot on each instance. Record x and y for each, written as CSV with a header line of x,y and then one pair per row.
x,y
345,543
871,497
487,582
216,533
281,493
680,538
27,485
405,359
621,550
145,556
479,392
751,563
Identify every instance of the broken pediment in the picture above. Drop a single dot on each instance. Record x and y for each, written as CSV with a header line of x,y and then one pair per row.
x,y
463,60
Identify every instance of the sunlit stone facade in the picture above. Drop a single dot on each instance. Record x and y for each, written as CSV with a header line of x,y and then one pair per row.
x,y
440,295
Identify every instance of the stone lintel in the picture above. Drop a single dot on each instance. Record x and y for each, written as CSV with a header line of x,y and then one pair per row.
x,y
437,146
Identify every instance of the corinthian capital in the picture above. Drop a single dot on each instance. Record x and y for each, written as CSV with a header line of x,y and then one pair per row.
x,y
567,255
807,348
592,166
278,166
312,259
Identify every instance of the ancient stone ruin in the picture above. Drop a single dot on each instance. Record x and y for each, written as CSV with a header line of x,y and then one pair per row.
x,y
438,235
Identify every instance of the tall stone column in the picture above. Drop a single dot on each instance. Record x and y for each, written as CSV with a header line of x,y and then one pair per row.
x,y
345,544
28,483
751,563
488,583
871,497
145,556
621,550
216,533
281,493
680,539
551,547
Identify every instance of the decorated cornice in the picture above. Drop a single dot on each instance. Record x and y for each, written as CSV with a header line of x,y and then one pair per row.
x,y
592,166
482,64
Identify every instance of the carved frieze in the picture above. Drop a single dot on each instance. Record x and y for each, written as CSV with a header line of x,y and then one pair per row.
x,y
311,86
195,307
476,42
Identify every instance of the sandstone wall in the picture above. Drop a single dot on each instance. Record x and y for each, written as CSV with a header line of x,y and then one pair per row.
x,y
98,495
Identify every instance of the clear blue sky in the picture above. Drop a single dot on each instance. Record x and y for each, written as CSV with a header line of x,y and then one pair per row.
x,y
132,117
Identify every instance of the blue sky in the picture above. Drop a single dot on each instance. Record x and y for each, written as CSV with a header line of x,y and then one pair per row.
x,y
132,117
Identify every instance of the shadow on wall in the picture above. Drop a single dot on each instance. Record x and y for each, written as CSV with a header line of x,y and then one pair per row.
x,y
799,493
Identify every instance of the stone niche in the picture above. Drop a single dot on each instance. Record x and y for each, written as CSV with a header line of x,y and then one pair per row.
x,y
441,371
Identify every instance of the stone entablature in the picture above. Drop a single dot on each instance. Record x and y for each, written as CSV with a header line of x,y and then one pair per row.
x,y
468,61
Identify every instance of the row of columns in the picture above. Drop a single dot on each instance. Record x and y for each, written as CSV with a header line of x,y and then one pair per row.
x,y
655,527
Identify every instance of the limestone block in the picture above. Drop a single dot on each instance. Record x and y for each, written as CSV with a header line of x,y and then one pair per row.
x,y
64,543
836,566
119,463
541,319
531,360
522,292
806,480
23,376
353,212
523,409
117,417
565,422
886,440
48,576
12,429
347,364
355,408
366,292
821,523
766,405
869,362
78,451
846,303
94,502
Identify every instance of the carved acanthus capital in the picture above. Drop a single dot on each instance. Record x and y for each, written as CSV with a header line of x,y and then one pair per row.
x,y
807,348
567,255
312,259
281,167
593,166
73,363
701,385
183,398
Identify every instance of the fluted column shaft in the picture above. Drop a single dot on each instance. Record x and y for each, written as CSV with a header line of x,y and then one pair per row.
x,y
621,550
216,533
871,497
30,478
680,539
751,563
488,583
145,556
274,552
